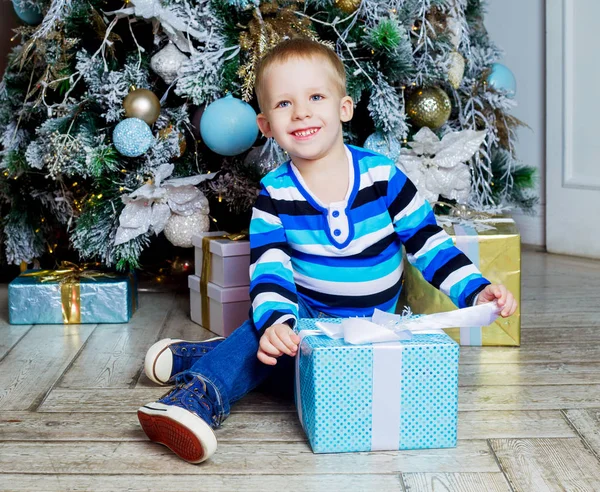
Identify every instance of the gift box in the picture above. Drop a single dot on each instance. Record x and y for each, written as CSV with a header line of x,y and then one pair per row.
x,y
496,251
223,310
71,295
377,396
226,258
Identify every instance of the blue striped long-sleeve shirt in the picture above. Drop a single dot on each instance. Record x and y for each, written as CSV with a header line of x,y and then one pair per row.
x,y
345,258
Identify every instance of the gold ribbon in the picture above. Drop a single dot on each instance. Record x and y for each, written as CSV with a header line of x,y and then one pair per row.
x,y
68,275
206,270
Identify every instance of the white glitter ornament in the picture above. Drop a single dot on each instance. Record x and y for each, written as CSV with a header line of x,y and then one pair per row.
x,y
456,71
180,228
437,167
150,207
167,62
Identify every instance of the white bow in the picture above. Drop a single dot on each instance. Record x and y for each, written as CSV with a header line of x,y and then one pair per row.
x,y
437,167
151,205
387,327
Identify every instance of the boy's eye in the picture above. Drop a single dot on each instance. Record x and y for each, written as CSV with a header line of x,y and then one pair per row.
x,y
316,97
283,104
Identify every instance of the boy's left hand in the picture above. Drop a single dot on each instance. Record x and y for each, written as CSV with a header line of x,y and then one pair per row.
x,y
506,300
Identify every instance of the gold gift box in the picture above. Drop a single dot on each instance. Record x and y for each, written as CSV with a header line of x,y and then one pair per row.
x,y
497,253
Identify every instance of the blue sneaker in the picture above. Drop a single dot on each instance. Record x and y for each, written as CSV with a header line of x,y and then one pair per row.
x,y
168,357
182,420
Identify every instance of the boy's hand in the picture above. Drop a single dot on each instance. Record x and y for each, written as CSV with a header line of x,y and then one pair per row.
x,y
276,341
506,300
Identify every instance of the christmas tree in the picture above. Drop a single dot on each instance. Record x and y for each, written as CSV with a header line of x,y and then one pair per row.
x,y
119,122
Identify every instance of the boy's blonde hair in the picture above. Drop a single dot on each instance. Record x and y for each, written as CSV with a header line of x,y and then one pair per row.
x,y
298,48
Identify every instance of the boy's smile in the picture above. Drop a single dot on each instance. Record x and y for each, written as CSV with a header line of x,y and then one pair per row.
x,y
303,108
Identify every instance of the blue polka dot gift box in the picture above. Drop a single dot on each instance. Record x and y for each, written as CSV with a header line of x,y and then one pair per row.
x,y
377,396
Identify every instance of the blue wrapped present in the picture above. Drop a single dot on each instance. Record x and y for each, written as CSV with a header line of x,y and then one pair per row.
x,y
377,396
71,295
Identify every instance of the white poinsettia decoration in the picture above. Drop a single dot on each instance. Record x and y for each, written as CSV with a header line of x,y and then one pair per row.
x,y
436,167
150,206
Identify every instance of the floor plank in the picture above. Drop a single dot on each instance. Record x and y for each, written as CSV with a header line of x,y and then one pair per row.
x,y
115,400
122,458
587,423
114,354
556,333
32,367
548,464
258,427
555,373
470,398
531,354
528,397
455,482
210,483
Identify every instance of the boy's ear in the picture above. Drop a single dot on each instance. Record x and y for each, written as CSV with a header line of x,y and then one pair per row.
x,y
264,125
346,109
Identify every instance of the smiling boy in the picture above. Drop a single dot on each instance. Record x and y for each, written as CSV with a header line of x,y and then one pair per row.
x,y
326,239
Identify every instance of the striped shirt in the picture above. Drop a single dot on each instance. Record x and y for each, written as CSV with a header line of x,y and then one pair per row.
x,y
344,259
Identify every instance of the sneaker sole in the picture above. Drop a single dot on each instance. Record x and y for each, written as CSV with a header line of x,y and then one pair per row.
x,y
187,435
157,368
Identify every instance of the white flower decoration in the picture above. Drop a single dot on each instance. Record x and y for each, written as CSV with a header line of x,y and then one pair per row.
x,y
437,167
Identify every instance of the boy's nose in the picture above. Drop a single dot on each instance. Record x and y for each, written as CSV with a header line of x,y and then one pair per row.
x,y
301,112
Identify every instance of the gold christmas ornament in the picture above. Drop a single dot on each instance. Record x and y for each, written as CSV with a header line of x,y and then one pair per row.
x,y
348,6
142,104
164,134
456,71
271,23
428,106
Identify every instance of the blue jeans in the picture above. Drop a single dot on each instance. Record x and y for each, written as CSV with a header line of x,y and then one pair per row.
x,y
232,369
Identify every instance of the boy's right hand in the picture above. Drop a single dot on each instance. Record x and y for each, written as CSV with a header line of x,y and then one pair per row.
x,y
276,341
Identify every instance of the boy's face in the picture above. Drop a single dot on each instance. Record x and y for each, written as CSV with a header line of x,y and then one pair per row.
x,y
303,108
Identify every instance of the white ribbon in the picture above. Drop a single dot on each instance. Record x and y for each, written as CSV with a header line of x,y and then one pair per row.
x,y
385,333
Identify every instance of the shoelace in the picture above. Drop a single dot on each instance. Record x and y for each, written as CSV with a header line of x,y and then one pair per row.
x,y
193,395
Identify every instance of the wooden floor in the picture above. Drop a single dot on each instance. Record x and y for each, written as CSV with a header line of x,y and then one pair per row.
x,y
529,417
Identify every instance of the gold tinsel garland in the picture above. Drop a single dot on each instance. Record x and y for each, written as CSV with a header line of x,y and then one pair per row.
x,y
271,23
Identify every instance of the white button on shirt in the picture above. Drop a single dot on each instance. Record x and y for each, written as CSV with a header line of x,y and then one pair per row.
x,y
339,226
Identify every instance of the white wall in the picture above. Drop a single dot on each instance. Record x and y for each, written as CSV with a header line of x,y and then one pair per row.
x,y
518,27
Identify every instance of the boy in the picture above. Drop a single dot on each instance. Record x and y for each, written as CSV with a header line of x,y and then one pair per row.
x,y
325,236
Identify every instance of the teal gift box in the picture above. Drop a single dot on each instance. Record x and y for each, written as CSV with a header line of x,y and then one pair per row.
x,y
71,296
379,396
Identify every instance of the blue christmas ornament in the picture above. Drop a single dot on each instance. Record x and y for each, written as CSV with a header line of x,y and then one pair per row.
x,y
132,137
387,146
228,126
28,11
502,79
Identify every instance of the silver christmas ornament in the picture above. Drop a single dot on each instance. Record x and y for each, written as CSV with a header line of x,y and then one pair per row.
x,y
180,228
167,62
266,157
